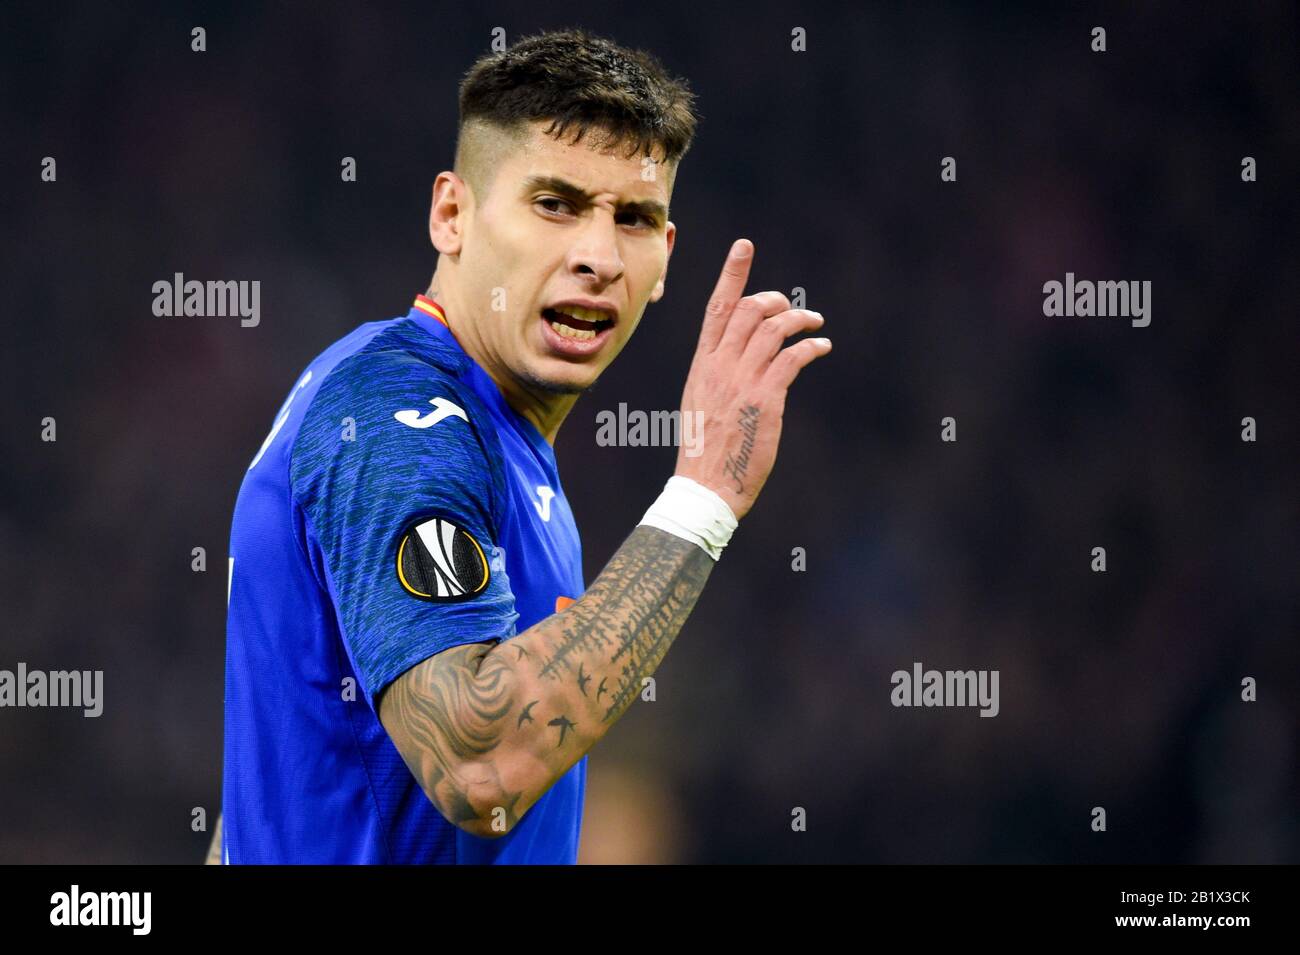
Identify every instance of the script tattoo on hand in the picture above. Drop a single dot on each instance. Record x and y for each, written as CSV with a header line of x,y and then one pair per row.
x,y
736,466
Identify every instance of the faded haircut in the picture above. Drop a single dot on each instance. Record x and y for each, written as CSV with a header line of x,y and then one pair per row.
x,y
579,83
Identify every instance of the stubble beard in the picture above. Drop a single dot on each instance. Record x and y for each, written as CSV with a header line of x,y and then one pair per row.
x,y
555,387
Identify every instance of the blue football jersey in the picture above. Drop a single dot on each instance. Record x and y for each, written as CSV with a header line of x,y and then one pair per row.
x,y
398,507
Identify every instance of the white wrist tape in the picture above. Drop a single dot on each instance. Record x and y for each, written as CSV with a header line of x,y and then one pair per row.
x,y
692,512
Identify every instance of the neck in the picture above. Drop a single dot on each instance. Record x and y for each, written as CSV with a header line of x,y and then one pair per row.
x,y
545,410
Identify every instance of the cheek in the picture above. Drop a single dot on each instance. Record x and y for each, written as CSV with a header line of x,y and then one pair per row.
x,y
650,270
625,331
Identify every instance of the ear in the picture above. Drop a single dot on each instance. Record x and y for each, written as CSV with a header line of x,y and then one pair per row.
x,y
670,234
450,203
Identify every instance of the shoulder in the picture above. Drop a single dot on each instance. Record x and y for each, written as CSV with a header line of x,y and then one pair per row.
x,y
394,359
397,404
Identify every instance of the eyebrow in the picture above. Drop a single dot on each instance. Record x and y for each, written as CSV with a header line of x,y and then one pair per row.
x,y
580,196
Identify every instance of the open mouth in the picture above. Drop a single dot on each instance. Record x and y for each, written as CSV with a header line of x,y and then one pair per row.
x,y
579,324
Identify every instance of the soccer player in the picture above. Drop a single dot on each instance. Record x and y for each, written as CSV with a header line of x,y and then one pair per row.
x,y
415,668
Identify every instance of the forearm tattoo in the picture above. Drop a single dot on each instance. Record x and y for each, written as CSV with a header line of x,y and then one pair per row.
x,y
451,710
455,709
628,618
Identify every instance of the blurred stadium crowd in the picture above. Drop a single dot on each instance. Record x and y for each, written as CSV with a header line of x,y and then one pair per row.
x,y
1119,690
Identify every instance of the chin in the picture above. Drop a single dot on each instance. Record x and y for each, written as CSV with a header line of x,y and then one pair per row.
x,y
575,382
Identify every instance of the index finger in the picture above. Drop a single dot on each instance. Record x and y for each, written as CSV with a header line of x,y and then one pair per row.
x,y
728,291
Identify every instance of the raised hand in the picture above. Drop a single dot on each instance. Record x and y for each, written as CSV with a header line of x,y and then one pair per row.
x,y
738,382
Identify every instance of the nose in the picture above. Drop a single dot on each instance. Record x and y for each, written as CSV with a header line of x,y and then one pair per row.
x,y
595,256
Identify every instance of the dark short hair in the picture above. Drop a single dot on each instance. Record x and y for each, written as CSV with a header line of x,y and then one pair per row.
x,y
580,81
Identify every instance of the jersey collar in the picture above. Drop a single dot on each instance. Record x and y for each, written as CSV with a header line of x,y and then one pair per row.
x,y
432,317
427,306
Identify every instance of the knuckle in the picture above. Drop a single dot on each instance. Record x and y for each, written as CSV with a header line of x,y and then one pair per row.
x,y
787,361
768,301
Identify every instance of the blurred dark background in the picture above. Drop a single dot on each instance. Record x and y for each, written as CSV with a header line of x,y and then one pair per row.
x,y
1119,690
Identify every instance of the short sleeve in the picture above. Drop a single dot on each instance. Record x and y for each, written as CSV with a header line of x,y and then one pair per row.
x,y
397,489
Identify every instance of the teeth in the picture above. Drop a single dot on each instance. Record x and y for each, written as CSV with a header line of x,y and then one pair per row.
x,y
581,334
586,314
